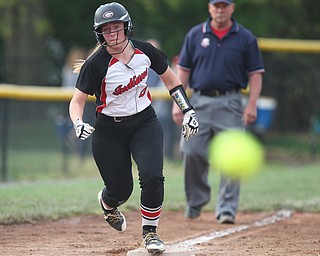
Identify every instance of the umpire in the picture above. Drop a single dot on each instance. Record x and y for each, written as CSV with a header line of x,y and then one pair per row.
x,y
218,58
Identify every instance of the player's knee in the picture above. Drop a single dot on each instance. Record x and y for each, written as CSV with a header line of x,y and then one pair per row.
x,y
124,193
152,191
152,183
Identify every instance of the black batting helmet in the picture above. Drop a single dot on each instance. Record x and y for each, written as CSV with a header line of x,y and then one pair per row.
x,y
111,12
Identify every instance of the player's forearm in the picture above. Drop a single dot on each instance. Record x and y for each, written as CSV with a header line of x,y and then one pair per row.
x,y
76,105
75,111
170,79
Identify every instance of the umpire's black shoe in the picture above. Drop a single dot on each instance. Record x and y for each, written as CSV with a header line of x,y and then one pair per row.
x,y
153,243
114,217
193,212
226,218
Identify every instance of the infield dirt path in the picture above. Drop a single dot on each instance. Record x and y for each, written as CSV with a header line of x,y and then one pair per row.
x,y
90,235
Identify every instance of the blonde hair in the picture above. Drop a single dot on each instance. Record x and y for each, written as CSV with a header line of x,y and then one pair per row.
x,y
77,64
74,54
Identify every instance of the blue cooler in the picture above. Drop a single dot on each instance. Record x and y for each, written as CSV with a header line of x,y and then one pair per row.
x,y
265,112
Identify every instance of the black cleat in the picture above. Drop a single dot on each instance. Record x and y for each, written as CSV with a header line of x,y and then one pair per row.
x,y
113,217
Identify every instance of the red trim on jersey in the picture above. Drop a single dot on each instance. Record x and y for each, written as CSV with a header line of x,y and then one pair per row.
x,y
137,51
113,61
149,96
103,96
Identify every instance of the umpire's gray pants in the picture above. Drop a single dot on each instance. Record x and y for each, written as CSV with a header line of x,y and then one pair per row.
x,y
214,115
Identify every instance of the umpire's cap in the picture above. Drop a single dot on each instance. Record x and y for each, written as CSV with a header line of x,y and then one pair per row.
x,y
221,1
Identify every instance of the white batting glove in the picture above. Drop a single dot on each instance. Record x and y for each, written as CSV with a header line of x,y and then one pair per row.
x,y
190,125
83,130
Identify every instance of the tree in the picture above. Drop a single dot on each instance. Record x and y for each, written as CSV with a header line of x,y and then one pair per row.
x,y
23,32
37,34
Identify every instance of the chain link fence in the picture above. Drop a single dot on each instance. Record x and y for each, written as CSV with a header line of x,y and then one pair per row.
x,y
37,136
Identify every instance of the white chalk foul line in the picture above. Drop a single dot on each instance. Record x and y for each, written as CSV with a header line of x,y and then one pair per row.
x,y
280,215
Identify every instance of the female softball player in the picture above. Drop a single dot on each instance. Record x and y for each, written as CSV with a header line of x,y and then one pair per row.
x,y
126,125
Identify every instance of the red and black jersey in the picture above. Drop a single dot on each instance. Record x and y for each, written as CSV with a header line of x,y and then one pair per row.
x,y
121,89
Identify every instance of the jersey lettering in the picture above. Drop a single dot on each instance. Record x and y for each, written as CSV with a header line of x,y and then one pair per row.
x,y
143,92
135,80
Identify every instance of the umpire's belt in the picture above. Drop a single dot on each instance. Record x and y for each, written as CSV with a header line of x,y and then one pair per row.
x,y
215,93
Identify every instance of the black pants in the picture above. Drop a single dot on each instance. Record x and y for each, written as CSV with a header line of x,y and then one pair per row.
x,y
114,144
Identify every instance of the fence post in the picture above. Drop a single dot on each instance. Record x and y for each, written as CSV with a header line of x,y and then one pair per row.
x,y
4,135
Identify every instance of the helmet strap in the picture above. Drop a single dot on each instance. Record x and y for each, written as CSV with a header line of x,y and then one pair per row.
x,y
115,53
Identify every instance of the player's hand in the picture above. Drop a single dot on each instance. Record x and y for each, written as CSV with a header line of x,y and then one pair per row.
x,y
190,125
83,130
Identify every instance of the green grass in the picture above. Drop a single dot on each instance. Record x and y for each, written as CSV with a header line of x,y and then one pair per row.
x,y
45,182
295,144
277,186
283,186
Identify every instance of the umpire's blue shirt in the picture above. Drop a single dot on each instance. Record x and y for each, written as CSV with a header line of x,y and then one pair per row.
x,y
220,64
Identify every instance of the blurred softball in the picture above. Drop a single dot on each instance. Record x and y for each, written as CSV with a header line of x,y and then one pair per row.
x,y
236,154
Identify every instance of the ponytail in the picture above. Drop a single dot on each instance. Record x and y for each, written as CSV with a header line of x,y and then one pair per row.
x,y
78,63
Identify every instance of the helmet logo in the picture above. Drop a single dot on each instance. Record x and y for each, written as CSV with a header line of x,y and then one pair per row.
x,y
108,15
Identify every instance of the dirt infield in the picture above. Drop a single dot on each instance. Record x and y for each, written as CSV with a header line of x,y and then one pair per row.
x,y
90,235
